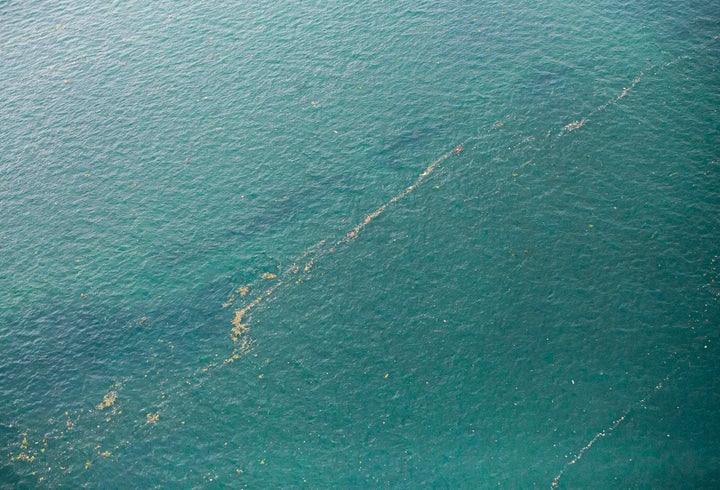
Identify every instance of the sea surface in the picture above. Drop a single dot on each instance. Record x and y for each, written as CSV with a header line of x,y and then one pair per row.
x,y
384,244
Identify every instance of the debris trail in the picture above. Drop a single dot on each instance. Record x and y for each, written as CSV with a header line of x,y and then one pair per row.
x,y
609,429
239,332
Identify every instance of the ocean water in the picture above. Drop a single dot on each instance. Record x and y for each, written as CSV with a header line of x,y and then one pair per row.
x,y
237,249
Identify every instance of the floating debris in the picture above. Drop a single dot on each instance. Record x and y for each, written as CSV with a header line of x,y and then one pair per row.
x,y
107,401
572,126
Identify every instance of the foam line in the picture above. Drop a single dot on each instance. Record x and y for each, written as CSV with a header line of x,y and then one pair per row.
x,y
608,430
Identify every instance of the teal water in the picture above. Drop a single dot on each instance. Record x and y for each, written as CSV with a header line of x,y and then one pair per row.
x,y
539,309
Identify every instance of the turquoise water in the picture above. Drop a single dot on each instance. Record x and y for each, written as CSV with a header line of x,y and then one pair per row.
x,y
538,309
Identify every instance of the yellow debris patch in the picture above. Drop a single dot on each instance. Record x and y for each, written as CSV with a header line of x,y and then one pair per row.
x,y
239,328
229,301
107,401
235,356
